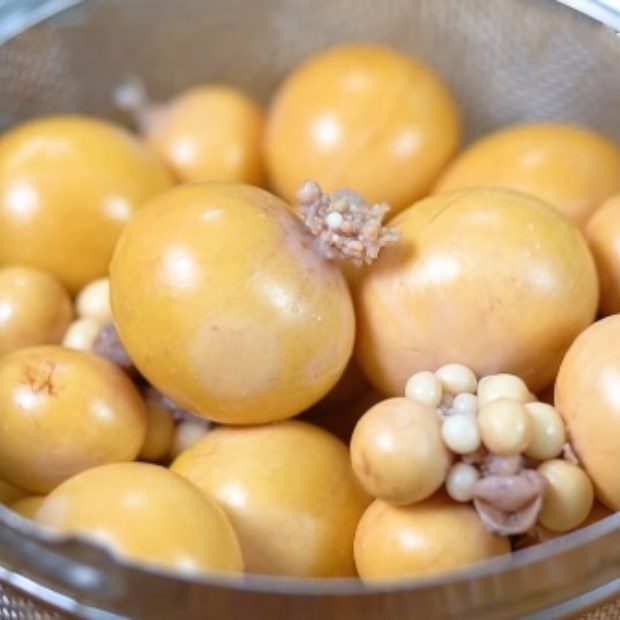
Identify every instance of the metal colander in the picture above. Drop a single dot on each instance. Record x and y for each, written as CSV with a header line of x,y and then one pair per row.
x,y
506,61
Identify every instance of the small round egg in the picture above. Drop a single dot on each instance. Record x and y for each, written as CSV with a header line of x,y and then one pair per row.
x,y
210,133
186,434
505,426
569,496
62,412
81,334
397,451
548,432
93,301
34,309
502,385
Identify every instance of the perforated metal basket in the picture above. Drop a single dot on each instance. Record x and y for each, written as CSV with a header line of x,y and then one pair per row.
x,y
506,60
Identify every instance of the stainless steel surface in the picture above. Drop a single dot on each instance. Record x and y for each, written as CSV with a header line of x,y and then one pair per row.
x,y
605,11
506,61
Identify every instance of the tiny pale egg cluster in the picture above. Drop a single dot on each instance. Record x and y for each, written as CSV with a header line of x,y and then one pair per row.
x,y
488,442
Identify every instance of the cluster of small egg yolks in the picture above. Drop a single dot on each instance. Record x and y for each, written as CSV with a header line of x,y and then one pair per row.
x,y
146,513
63,412
68,186
363,117
290,494
34,309
223,304
508,296
210,133
430,537
500,415
402,449
603,235
491,412
586,395
93,313
571,168
451,390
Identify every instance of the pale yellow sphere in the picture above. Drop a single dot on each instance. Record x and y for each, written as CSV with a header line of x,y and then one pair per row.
x,y
289,491
502,385
397,451
210,133
146,513
186,434
362,117
34,309
569,496
603,235
93,301
457,379
68,187
505,427
548,432
424,387
571,168
586,396
428,538
488,278
81,334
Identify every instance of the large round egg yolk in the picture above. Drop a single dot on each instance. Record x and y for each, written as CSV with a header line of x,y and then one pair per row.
x,y
146,513
572,168
289,491
62,412
225,306
68,186
433,536
488,278
603,234
587,396
365,118
210,133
